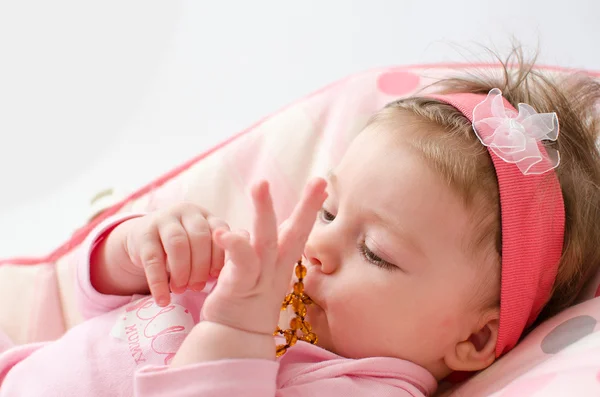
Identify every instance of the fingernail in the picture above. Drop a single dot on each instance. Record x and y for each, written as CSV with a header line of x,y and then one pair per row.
x,y
198,287
162,302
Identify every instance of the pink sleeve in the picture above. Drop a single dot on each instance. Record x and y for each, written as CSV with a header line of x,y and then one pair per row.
x,y
91,302
12,357
258,378
210,379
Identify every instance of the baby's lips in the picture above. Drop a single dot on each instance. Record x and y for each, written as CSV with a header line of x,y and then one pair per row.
x,y
314,301
308,287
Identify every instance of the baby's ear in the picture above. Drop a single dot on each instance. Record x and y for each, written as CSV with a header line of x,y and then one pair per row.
x,y
478,351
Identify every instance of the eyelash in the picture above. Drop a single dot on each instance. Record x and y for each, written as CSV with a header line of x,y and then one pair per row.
x,y
327,216
367,254
374,259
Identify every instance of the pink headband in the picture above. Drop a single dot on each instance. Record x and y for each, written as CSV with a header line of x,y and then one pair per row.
x,y
531,204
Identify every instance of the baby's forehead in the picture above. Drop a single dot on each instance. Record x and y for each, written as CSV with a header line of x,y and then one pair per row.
x,y
400,121
382,138
390,163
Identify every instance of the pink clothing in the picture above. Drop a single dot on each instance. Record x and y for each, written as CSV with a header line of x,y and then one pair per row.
x,y
125,346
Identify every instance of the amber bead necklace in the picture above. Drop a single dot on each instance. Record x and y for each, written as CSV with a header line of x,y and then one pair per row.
x,y
299,329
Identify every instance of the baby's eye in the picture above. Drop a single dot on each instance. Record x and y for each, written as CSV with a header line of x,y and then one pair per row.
x,y
327,216
371,257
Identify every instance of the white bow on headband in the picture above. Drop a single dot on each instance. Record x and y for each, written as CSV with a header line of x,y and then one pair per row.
x,y
515,136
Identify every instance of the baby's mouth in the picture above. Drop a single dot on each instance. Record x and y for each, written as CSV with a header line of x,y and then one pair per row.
x,y
307,286
313,301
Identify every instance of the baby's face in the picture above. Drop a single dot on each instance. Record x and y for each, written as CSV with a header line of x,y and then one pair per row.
x,y
387,261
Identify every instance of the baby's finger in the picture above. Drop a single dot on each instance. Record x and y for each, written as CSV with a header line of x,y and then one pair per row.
x,y
217,257
242,233
240,255
177,247
293,237
200,242
265,224
153,260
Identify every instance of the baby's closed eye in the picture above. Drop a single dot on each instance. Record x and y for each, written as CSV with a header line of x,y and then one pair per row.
x,y
326,216
373,258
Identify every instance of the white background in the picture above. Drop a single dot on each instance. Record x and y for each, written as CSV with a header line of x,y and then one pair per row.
x,y
113,93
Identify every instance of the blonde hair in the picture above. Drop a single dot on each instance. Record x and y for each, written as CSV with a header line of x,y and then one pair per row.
x,y
452,148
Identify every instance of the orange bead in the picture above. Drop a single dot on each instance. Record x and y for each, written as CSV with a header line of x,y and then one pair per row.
x,y
311,338
306,300
300,271
302,311
289,335
306,328
295,323
286,302
298,288
298,306
292,340
281,349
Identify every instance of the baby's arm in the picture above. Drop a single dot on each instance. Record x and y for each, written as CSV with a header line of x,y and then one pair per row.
x,y
92,300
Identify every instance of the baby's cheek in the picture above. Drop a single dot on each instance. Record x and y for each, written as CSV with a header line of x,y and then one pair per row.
x,y
445,328
446,322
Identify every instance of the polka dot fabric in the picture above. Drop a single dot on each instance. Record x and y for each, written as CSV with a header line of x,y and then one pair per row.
x,y
561,357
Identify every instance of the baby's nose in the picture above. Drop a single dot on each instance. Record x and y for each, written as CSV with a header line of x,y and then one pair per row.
x,y
326,267
312,260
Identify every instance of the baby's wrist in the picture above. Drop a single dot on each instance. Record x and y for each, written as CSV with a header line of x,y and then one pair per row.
x,y
111,268
210,341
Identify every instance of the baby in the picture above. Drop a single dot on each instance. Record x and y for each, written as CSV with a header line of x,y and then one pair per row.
x,y
456,221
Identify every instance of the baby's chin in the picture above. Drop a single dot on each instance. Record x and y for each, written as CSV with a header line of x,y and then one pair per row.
x,y
317,318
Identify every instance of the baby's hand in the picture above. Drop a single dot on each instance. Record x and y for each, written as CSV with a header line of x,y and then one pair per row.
x,y
257,272
174,248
